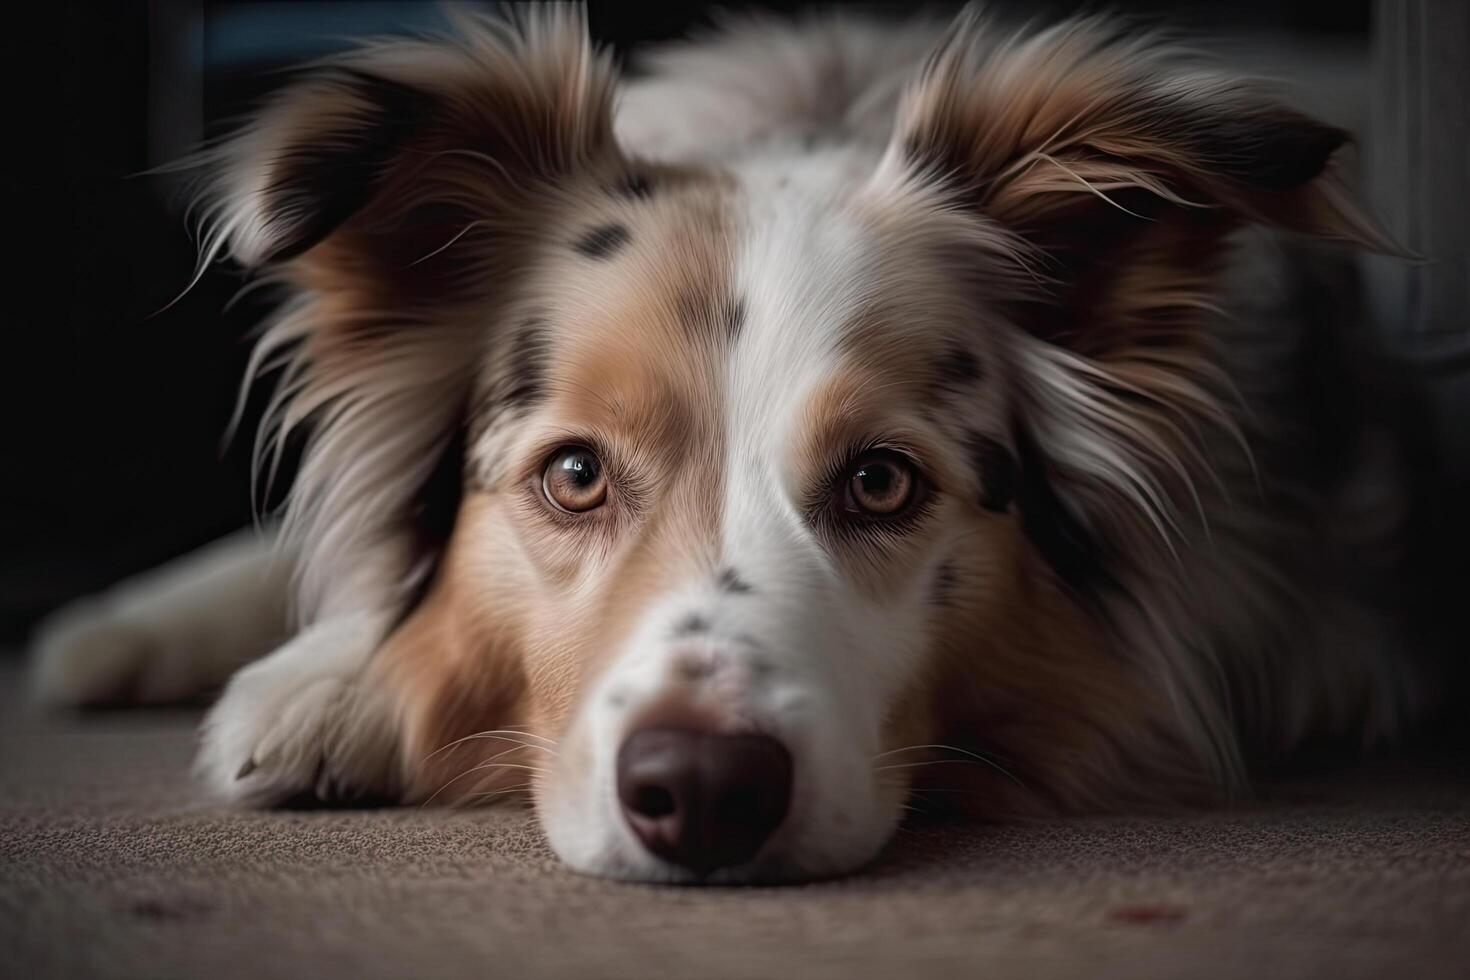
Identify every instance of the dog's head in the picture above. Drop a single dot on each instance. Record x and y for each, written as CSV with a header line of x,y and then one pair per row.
x,y
711,501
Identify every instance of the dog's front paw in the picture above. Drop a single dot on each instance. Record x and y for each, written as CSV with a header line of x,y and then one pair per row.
x,y
299,725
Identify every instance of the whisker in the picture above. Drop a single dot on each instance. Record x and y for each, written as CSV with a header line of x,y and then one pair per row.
x,y
474,799
935,745
519,730
947,748
939,762
502,734
465,773
526,730
503,765
482,766
462,232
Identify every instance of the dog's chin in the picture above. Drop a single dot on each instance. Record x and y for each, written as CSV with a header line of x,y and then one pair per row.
x,y
622,861
810,846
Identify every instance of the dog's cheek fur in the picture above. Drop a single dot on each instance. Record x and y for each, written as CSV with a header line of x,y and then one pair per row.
x,y
456,672
487,674
525,613
1021,676
502,646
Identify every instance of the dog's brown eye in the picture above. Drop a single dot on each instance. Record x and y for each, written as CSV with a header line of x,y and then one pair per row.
x,y
881,485
574,481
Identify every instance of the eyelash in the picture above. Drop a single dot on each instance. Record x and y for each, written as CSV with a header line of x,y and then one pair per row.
x,y
822,502
624,489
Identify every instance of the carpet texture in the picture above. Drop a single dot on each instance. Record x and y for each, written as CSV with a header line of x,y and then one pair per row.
x,y
112,865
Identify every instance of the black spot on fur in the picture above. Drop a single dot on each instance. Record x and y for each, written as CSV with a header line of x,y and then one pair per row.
x,y
709,315
692,623
735,319
957,368
995,470
527,364
731,582
431,517
634,186
601,242
521,382
1066,543
943,588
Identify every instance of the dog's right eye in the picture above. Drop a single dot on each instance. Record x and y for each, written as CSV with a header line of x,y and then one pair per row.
x,y
573,480
879,486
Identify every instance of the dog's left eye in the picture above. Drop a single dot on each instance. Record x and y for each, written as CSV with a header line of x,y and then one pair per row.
x,y
573,480
880,484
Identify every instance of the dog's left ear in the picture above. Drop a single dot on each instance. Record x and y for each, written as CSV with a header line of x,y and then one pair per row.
x,y
1111,155
1108,171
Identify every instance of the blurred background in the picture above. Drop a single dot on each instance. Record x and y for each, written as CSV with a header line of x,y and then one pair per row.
x,y
120,384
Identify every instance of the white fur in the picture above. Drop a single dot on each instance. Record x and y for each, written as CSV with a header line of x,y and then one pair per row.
x,y
766,81
298,722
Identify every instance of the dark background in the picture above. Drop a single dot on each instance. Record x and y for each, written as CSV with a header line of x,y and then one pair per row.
x,y
116,401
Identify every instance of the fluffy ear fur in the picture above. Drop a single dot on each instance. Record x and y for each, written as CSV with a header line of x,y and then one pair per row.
x,y
1120,167
396,190
500,106
1119,161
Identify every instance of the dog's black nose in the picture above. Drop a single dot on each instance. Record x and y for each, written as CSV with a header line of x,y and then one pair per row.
x,y
701,800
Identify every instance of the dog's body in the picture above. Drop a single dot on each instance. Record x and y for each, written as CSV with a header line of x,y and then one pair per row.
x,y
849,410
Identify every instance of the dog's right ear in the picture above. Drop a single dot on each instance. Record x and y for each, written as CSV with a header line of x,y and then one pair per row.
x,y
397,188
427,134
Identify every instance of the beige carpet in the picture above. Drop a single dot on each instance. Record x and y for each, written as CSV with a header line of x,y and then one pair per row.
x,y
112,865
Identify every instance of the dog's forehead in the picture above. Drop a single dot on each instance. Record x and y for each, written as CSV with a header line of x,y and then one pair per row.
x,y
807,264
714,256
727,304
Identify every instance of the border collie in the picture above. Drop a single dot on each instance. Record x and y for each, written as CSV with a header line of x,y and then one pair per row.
x,y
835,415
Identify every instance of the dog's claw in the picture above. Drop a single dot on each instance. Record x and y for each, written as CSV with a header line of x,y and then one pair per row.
x,y
246,769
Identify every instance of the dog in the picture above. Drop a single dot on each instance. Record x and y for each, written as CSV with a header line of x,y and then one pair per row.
x,y
837,419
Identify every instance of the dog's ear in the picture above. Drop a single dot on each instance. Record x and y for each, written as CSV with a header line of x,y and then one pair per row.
x,y
1116,162
398,189
1109,170
414,135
